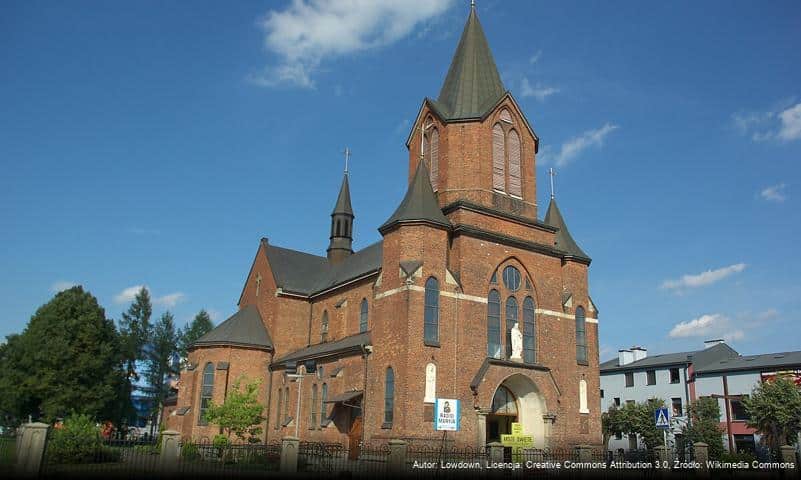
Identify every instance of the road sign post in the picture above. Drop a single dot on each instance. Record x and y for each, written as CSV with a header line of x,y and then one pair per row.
x,y
662,420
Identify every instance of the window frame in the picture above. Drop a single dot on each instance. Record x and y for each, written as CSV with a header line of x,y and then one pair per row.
x,y
389,397
629,376
206,393
582,356
529,330
313,424
324,325
494,325
364,316
431,312
678,375
650,377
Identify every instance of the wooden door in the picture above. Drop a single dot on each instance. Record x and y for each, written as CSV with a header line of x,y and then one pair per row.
x,y
354,438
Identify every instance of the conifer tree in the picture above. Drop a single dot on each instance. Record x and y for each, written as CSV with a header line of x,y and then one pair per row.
x,y
135,331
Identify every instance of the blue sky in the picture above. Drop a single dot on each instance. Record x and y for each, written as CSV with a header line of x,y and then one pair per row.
x,y
152,143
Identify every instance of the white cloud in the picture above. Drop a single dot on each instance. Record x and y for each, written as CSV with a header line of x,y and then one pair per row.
x,y
782,123
704,278
774,193
538,91
310,32
573,147
62,285
169,300
703,326
535,58
128,295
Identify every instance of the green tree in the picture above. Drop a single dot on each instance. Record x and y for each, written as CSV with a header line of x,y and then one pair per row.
x,y
135,330
66,361
241,413
704,426
160,362
638,419
774,409
199,326
613,422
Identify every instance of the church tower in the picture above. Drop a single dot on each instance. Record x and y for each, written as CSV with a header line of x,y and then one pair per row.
x,y
341,239
475,140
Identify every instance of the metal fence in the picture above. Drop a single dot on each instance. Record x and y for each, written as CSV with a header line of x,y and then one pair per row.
x,y
335,458
236,459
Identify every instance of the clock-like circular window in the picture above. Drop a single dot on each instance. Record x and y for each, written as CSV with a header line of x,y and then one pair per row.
x,y
511,278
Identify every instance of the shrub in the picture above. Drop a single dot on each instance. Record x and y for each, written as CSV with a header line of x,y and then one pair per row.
x,y
77,441
189,451
220,441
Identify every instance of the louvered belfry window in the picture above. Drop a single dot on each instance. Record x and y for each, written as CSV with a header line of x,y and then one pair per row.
x,y
433,158
515,185
498,159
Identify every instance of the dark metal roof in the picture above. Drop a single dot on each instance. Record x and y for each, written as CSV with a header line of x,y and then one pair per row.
x,y
752,362
344,397
697,357
346,345
472,86
245,328
419,204
308,274
564,241
343,200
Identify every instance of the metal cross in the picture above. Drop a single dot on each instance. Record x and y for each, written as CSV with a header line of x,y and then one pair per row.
x,y
347,157
258,283
552,174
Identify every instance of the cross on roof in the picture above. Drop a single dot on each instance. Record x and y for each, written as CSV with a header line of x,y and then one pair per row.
x,y
347,158
552,174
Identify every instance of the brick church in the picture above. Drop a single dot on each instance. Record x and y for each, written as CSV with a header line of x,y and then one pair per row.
x,y
354,346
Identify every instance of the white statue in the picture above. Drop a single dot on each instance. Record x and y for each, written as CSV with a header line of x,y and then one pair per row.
x,y
517,343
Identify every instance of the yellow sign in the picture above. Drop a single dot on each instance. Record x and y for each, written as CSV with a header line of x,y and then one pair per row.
x,y
517,428
517,441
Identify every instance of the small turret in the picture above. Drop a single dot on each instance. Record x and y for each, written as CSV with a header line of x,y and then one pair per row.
x,y
341,244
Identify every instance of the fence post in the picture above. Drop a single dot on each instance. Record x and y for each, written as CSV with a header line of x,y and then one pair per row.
x,y
31,448
584,453
701,453
788,454
289,454
495,452
170,450
397,455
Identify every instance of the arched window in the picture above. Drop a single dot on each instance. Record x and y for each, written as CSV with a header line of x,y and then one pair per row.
x,y
494,324
323,398
433,158
363,316
339,229
581,336
279,408
505,116
498,159
313,417
504,402
324,327
431,313
389,396
511,278
515,184
511,321
206,391
529,332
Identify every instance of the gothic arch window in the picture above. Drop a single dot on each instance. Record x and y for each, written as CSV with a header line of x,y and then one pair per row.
x,y
515,182
206,391
529,331
504,402
313,414
581,336
363,316
286,404
339,229
494,324
431,313
324,327
511,278
279,408
505,116
389,397
498,159
511,321
433,158
323,399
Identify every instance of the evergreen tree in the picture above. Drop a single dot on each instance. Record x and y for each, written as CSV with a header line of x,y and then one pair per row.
x,y
135,331
704,426
67,360
774,409
199,326
160,355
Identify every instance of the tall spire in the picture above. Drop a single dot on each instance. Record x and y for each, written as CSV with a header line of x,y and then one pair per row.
x,y
341,239
419,205
473,84
564,241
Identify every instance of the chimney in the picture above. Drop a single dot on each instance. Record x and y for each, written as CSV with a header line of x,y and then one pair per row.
x,y
712,343
625,357
639,352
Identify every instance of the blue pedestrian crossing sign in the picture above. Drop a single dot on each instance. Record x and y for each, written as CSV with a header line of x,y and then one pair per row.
x,y
662,418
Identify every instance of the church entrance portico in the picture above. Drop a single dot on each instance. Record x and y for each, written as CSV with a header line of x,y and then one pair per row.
x,y
516,400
